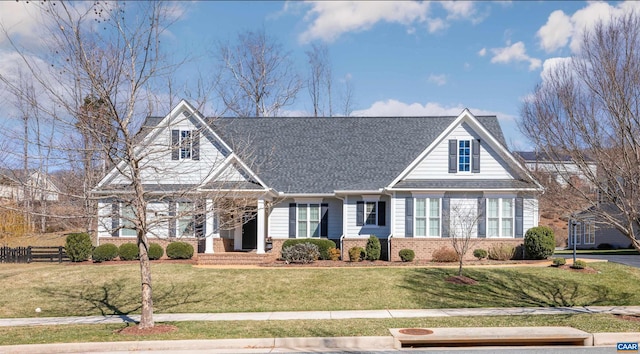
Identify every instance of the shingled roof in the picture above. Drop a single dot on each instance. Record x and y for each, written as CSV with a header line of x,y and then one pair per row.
x,y
322,155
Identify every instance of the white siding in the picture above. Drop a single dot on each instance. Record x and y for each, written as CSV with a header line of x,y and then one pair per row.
x,y
364,231
463,217
278,224
158,219
436,164
104,218
530,213
399,222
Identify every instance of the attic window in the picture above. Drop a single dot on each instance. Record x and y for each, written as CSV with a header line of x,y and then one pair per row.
x,y
464,156
185,145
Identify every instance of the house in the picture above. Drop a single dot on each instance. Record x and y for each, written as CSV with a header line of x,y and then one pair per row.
x,y
561,169
38,186
245,183
589,231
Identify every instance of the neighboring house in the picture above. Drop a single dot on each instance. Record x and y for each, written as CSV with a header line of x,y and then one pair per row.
x,y
562,169
343,178
37,185
589,232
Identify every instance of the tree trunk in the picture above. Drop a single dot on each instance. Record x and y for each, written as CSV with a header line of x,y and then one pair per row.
x,y
146,317
460,266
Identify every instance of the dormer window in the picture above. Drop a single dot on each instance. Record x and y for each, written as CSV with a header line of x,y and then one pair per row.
x,y
185,144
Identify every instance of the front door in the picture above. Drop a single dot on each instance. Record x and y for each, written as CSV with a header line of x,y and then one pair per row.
x,y
249,232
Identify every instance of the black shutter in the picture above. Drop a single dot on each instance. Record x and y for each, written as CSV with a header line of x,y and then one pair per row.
x,y
519,226
172,218
482,222
453,156
475,156
175,144
359,213
408,217
445,217
382,213
195,146
292,220
115,218
324,220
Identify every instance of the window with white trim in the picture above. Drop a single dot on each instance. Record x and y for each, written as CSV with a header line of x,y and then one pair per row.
x,y
464,155
185,220
500,216
427,217
370,213
126,220
186,144
309,223
589,232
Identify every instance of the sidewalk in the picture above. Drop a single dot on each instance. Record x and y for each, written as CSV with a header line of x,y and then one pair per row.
x,y
323,315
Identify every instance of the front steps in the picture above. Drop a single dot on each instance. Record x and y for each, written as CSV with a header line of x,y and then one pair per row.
x,y
232,258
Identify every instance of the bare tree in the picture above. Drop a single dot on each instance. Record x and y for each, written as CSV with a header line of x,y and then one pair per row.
x,y
347,97
319,81
463,228
587,108
257,78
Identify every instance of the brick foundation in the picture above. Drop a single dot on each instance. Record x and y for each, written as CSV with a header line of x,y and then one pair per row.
x,y
424,247
162,242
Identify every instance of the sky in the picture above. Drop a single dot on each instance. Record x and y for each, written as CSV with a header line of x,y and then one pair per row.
x,y
401,58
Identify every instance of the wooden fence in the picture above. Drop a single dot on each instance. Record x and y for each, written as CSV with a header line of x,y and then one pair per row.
x,y
32,254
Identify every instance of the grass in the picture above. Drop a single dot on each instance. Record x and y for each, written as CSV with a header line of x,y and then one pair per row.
x,y
623,251
300,328
80,290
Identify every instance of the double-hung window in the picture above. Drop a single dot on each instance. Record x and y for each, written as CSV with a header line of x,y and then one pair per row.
x,y
427,217
589,232
464,155
309,224
185,144
126,220
500,216
185,219
371,213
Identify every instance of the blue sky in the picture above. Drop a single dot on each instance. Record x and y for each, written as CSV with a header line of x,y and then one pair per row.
x,y
405,57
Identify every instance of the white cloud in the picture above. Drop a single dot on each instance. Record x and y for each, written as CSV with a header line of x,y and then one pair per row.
x,y
436,24
330,19
439,80
22,20
514,53
550,64
482,52
459,9
391,108
556,32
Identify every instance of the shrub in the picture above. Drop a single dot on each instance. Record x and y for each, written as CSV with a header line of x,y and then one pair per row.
x,y
579,264
557,262
322,243
539,242
605,246
106,252
407,255
356,254
373,248
179,250
501,252
128,251
480,253
301,253
78,247
334,254
155,251
445,254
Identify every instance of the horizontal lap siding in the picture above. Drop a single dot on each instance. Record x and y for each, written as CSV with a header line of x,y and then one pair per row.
x,y
353,230
279,218
530,213
399,223
104,219
435,165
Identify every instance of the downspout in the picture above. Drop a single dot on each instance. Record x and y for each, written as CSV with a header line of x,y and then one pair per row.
x,y
341,248
389,247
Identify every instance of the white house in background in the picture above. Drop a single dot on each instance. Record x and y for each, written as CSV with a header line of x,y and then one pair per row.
x,y
561,168
37,185
339,178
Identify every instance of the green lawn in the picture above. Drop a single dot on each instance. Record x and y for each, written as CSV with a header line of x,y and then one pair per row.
x,y
76,290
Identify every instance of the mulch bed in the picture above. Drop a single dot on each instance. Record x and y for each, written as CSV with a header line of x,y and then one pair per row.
x,y
136,331
587,270
461,280
321,263
633,318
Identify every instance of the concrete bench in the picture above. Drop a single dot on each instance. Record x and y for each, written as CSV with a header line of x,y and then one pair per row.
x,y
489,336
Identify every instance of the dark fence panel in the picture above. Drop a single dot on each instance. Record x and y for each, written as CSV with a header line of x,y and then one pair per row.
x,y
32,254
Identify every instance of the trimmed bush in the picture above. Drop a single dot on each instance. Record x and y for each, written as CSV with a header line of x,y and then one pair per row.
x,y
445,254
301,253
579,264
334,254
480,253
322,243
78,247
557,262
373,248
539,242
155,251
106,252
407,255
501,252
179,250
356,254
128,251
607,246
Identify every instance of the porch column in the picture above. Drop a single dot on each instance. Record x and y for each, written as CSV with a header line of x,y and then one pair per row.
x,y
209,227
260,220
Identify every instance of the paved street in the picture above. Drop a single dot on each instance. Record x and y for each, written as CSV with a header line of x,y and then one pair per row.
x,y
630,260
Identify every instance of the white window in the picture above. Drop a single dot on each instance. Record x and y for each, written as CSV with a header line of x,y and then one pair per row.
x,y
186,144
589,232
309,220
185,220
126,220
464,156
500,216
427,217
370,213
